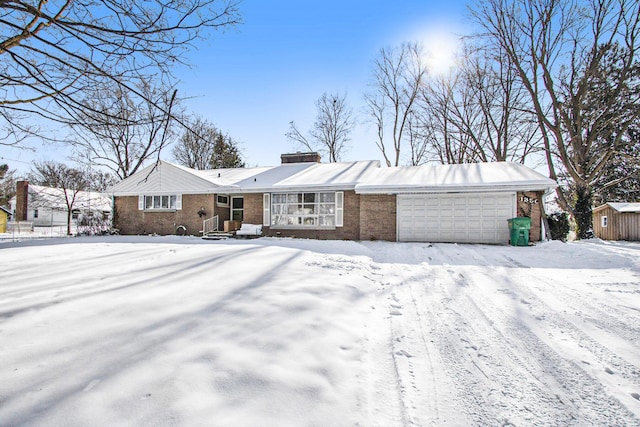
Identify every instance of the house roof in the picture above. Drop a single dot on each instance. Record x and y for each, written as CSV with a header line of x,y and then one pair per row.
x,y
165,177
472,177
310,177
620,207
7,211
54,198
169,178
366,177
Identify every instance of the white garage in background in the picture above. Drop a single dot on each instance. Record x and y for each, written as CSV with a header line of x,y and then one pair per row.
x,y
455,217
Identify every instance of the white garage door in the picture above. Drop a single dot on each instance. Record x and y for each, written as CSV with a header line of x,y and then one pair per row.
x,y
461,218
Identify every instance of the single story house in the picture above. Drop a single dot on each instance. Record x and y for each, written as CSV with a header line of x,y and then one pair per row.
x,y
617,221
46,206
349,200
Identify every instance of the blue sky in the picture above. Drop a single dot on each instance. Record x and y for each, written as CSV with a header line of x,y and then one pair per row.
x,y
251,80
254,79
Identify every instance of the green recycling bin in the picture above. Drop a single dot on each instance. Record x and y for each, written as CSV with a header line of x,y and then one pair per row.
x,y
519,231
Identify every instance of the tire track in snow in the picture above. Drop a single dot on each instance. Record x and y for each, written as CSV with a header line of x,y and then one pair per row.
x,y
427,393
593,403
604,317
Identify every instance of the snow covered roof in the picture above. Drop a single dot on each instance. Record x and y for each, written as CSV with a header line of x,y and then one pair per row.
x,y
621,207
310,177
365,177
499,176
54,198
166,177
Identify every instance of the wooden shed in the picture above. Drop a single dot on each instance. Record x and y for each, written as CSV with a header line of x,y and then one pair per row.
x,y
617,221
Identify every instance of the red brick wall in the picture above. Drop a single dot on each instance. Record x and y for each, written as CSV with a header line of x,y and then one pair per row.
x,y
253,208
528,204
22,198
130,220
378,217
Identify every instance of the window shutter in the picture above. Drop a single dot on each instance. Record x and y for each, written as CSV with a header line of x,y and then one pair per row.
x,y
339,208
266,209
141,203
179,202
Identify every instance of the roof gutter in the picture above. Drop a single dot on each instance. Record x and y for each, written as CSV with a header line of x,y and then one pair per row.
x,y
440,189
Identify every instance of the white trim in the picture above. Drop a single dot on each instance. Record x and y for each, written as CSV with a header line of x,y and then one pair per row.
x,y
222,204
141,202
339,208
604,221
266,209
178,202
232,209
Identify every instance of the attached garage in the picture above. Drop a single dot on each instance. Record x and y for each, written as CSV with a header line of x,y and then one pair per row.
x,y
457,217
465,203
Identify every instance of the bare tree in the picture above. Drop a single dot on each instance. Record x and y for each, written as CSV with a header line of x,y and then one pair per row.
x,y
398,74
449,120
194,149
577,60
478,113
53,51
122,130
203,146
100,181
65,182
332,129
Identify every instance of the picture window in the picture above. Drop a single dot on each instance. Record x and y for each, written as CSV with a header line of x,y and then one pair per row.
x,y
306,210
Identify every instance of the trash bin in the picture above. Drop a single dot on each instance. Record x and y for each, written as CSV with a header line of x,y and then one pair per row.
x,y
519,231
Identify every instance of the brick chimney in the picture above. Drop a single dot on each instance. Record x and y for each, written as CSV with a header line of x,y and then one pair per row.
x,y
300,158
22,200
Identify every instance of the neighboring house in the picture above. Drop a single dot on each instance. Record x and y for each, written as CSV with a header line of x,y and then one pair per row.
x,y
617,221
46,206
5,214
351,200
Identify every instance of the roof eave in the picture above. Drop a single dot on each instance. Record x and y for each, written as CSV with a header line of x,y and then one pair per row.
x,y
439,189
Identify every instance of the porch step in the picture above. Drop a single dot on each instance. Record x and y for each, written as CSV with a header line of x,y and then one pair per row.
x,y
217,235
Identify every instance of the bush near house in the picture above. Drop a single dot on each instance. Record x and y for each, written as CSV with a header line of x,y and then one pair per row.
x,y
559,225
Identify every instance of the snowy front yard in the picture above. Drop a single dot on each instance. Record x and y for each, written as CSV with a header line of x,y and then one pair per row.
x,y
279,332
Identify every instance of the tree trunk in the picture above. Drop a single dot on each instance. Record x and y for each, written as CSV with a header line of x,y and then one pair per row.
x,y
68,222
582,212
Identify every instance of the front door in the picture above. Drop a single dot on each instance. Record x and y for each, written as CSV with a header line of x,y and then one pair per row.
x,y
237,208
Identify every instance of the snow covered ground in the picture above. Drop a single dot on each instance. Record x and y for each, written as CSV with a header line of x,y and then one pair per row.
x,y
167,331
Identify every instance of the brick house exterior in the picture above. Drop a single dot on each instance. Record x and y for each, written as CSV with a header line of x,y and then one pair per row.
x,y
343,201
530,204
378,217
131,220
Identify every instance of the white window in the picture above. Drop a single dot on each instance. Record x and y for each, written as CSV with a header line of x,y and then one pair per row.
x,y
605,221
35,213
222,200
302,210
161,202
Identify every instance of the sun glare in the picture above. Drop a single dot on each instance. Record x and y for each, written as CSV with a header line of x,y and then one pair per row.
x,y
441,49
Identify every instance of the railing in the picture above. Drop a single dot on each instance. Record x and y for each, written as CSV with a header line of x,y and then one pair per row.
x,y
210,225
